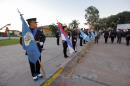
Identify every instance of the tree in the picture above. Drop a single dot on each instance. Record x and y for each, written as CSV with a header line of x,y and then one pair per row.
x,y
113,20
53,28
92,16
123,17
74,24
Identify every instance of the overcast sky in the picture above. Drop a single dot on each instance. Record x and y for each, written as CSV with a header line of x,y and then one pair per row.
x,y
49,11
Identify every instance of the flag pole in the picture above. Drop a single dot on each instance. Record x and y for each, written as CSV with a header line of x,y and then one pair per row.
x,y
40,62
42,67
19,12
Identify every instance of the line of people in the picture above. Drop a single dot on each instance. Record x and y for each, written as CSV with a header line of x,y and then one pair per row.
x,y
119,34
40,38
73,35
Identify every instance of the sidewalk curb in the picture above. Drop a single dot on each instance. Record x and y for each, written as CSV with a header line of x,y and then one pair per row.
x,y
74,56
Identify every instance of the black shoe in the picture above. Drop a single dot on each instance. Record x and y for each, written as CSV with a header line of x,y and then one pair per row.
x,y
66,56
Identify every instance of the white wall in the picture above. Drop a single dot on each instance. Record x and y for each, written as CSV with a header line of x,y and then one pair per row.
x,y
123,26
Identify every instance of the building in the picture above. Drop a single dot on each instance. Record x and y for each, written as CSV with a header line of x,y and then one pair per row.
x,y
12,33
15,33
124,27
46,30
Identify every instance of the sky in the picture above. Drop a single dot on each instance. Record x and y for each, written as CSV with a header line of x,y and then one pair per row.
x,y
49,11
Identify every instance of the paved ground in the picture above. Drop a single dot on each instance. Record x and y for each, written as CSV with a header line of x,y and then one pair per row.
x,y
104,65
14,66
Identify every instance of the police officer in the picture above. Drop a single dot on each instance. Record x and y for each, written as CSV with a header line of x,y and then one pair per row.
x,y
74,38
39,38
58,36
81,39
85,31
119,36
65,43
112,35
127,37
106,35
97,37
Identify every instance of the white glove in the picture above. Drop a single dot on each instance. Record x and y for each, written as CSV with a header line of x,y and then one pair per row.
x,y
41,43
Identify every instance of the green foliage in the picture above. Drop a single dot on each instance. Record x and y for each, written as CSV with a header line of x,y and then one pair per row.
x,y
123,17
6,42
74,24
92,16
53,28
113,20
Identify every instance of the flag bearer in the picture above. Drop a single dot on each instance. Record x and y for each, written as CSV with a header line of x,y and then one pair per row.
x,y
39,38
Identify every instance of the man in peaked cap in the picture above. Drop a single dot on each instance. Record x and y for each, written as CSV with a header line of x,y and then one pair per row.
x,y
39,38
32,20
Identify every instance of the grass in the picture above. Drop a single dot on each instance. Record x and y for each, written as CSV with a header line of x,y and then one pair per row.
x,y
6,42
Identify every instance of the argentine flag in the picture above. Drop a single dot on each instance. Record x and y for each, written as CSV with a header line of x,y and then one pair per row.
x,y
84,36
29,43
64,36
93,35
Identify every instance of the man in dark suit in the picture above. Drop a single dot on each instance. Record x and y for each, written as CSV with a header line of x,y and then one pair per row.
x,y
112,35
39,38
74,38
81,39
106,35
58,37
127,37
119,36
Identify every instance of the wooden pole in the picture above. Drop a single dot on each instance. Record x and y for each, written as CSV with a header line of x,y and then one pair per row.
x,y
76,48
42,68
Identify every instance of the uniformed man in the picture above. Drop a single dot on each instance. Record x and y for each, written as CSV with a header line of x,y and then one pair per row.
x,y
74,38
106,35
65,43
58,37
119,36
85,31
81,39
39,38
127,37
97,37
112,35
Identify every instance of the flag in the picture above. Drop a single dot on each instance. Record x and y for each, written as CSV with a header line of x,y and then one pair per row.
x,y
93,35
64,36
84,36
29,43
